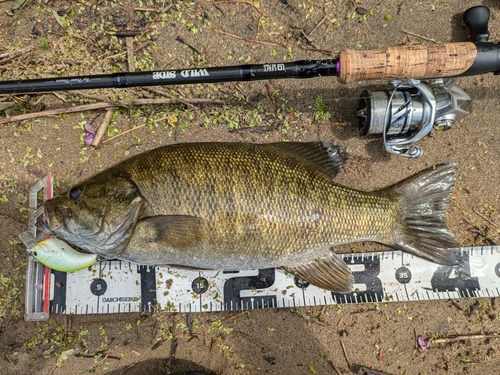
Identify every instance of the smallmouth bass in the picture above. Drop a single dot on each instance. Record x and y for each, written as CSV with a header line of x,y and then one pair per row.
x,y
235,206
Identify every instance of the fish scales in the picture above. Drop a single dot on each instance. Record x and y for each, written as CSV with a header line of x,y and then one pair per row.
x,y
257,202
236,206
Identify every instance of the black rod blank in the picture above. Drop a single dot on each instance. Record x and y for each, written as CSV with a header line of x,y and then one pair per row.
x,y
297,69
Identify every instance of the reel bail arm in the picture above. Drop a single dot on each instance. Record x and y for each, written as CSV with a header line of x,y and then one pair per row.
x,y
414,107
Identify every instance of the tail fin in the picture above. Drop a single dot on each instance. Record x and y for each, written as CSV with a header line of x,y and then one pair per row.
x,y
424,200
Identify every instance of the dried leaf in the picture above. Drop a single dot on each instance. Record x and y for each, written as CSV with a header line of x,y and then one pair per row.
x,y
67,353
58,18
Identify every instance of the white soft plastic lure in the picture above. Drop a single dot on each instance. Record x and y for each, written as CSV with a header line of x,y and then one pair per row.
x,y
58,255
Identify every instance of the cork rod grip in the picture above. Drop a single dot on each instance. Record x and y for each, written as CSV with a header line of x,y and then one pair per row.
x,y
405,62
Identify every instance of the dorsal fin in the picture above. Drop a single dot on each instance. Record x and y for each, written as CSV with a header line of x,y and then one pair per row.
x,y
326,156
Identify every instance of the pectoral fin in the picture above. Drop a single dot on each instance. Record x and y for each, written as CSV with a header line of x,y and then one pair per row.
x,y
329,272
175,231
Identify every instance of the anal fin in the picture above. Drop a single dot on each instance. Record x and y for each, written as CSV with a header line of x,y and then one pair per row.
x,y
329,272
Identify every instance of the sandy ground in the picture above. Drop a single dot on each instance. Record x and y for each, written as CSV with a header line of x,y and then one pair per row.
x,y
74,38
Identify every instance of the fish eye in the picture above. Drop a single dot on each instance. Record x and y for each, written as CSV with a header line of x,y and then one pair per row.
x,y
74,194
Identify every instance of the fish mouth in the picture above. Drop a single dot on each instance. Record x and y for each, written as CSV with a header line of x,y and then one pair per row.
x,y
54,217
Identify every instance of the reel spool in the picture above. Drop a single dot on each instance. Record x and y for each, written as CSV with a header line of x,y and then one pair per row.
x,y
409,111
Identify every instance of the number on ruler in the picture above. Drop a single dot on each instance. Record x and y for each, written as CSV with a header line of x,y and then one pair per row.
x,y
234,285
456,279
373,291
148,287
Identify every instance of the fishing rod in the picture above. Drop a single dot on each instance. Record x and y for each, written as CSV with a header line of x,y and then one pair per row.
x,y
424,92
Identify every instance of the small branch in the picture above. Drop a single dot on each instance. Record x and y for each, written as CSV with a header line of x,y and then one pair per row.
x,y
315,27
6,57
102,128
480,232
123,133
425,343
306,36
419,36
167,8
143,45
182,41
485,218
103,105
334,367
124,33
246,39
126,103
58,111
146,9
130,53
345,354
233,317
255,341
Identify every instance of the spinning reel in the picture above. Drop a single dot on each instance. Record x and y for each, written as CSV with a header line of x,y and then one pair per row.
x,y
410,111
424,92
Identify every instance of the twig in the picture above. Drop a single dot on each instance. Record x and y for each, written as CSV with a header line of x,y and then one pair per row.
x,y
125,103
318,24
131,130
233,317
142,46
427,342
106,355
58,111
167,8
306,36
130,53
162,93
456,305
269,93
345,354
103,105
173,349
146,9
334,367
321,312
6,57
419,36
123,133
254,129
59,96
181,40
167,63
125,33
255,341
102,128
416,337
246,39
325,51
485,218
480,232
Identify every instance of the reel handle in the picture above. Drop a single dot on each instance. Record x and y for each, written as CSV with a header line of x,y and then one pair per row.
x,y
407,62
476,19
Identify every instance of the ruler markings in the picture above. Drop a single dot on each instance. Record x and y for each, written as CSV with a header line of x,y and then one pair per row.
x,y
117,287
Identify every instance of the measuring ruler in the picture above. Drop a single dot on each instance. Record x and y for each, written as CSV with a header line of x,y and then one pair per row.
x,y
110,287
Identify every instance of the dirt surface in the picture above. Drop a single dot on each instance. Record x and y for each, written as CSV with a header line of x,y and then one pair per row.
x,y
74,38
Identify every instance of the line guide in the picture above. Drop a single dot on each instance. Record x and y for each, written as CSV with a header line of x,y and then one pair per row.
x,y
118,286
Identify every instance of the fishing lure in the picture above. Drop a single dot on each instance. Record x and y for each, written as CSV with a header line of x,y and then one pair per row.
x,y
57,254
